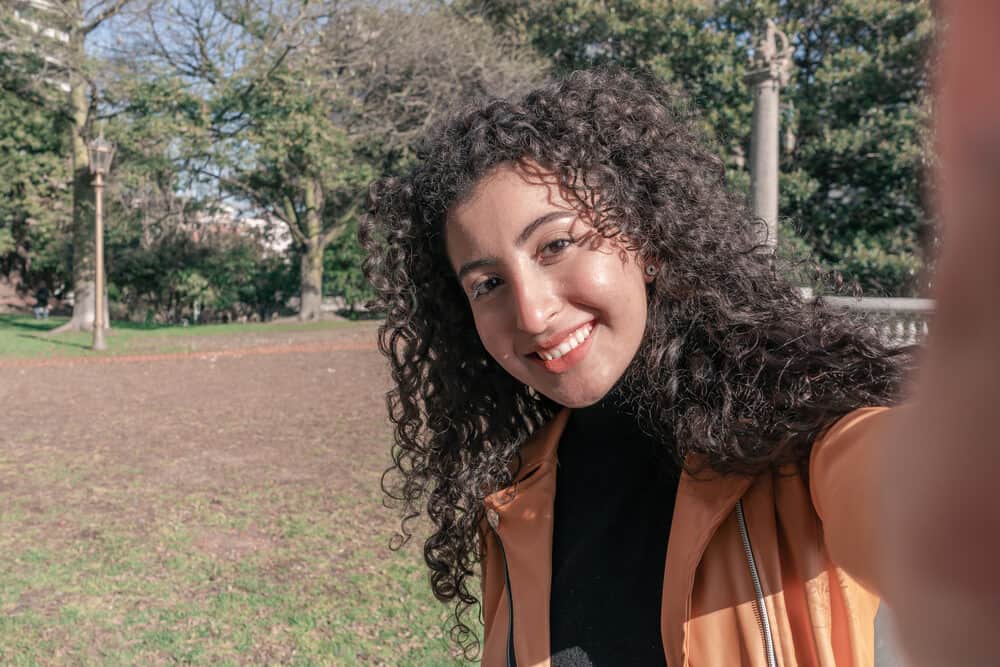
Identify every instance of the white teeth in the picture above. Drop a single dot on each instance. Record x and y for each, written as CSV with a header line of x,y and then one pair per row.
x,y
571,342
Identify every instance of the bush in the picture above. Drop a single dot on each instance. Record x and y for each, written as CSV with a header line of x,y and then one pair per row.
x,y
176,278
342,274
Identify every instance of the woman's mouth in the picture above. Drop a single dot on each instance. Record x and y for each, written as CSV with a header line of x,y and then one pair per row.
x,y
568,352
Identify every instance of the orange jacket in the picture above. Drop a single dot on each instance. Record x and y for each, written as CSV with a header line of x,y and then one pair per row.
x,y
794,604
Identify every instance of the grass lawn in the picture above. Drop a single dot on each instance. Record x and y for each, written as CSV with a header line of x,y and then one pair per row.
x,y
205,511
258,577
23,336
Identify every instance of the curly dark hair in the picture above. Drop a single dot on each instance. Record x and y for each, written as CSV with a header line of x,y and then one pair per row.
x,y
735,367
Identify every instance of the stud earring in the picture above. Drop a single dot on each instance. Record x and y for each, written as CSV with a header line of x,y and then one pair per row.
x,y
651,270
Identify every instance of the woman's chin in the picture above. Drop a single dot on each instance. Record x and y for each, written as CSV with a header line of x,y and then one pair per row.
x,y
579,397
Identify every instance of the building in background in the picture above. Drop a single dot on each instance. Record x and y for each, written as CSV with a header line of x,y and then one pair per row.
x,y
38,28
272,234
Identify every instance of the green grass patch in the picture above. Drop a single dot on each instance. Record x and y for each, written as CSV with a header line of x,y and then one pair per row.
x,y
25,337
199,585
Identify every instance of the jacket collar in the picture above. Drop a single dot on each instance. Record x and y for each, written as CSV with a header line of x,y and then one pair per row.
x,y
703,503
539,448
543,443
707,498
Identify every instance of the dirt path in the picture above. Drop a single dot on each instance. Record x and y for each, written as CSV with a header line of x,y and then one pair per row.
x,y
191,415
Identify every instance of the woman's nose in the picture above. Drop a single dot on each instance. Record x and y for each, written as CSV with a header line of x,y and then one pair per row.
x,y
536,303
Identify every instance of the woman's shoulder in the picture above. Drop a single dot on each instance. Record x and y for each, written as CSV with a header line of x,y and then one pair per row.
x,y
847,472
847,452
852,440
855,422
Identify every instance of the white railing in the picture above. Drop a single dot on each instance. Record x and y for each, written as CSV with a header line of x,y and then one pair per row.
x,y
899,321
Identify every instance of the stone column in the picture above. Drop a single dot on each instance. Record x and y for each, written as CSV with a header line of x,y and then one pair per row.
x,y
769,69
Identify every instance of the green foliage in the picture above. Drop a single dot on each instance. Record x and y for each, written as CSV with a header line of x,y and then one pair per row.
x,y
342,275
297,138
880,264
176,278
293,159
288,109
35,202
857,105
258,127
164,263
293,108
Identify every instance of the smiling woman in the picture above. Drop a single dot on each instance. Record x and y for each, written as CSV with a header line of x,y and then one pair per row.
x,y
559,312
648,448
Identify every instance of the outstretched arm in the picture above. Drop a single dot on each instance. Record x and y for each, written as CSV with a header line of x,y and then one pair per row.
x,y
941,502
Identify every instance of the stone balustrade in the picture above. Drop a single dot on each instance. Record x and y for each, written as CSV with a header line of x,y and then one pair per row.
x,y
900,321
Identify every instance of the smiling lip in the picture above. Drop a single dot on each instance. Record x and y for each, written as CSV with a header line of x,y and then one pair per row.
x,y
571,358
556,339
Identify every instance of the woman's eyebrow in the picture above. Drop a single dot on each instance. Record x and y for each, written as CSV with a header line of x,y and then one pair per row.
x,y
519,241
475,264
538,222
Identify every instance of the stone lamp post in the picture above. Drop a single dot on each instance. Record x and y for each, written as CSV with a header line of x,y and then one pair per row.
x,y
100,153
770,66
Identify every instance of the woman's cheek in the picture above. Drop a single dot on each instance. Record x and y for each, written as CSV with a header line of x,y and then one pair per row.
x,y
491,338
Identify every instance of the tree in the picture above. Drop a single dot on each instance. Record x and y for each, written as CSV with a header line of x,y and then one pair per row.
x,y
852,186
50,43
34,174
294,107
295,163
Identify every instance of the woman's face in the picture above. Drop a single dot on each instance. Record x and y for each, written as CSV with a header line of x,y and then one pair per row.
x,y
564,317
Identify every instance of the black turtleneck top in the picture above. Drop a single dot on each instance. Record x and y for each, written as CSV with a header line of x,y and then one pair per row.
x,y
615,491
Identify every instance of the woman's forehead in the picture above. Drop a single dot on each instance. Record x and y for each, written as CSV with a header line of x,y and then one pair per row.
x,y
509,197
517,178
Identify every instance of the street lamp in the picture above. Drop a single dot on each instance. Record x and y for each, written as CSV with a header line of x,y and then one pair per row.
x,y
100,153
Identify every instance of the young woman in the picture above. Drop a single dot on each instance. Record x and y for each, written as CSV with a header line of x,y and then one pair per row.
x,y
611,408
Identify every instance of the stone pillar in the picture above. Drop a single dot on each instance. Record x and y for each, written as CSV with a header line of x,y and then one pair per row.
x,y
769,69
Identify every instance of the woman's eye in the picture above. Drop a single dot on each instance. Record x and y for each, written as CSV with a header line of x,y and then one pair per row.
x,y
555,247
484,287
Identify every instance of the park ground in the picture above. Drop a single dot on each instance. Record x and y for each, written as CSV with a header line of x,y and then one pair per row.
x,y
203,495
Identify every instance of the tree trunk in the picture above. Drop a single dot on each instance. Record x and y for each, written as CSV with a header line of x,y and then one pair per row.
x,y
83,247
311,281
83,206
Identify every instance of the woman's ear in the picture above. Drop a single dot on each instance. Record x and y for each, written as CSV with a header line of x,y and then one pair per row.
x,y
650,270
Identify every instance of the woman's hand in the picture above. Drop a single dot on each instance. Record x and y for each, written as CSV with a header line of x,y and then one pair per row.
x,y
941,507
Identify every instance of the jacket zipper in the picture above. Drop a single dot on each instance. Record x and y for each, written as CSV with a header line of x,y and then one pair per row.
x,y
493,517
760,607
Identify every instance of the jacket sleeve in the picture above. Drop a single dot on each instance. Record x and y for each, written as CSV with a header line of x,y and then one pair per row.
x,y
845,469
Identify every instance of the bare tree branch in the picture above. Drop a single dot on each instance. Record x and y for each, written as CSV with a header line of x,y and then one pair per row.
x,y
102,16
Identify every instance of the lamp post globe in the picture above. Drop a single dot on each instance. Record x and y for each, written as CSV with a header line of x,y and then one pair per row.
x,y
100,153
